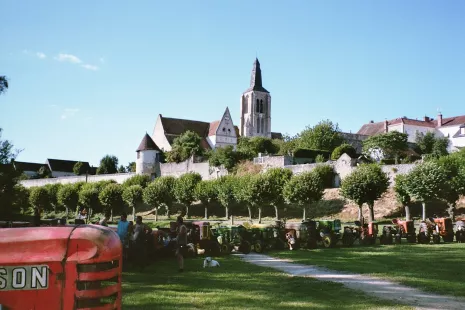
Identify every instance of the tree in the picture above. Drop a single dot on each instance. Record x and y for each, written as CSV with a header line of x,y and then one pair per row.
x,y
386,145
323,136
9,176
154,195
425,182
167,185
68,196
138,179
225,189
89,198
3,84
108,165
78,168
44,173
248,148
20,198
326,174
402,194
343,148
39,198
131,167
111,198
288,144
429,144
121,169
184,189
223,156
319,158
274,180
132,196
52,190
365,185
303,189
454,167
248,191
185,146
205,191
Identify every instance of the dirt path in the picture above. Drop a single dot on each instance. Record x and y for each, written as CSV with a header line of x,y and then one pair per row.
x,y
370,285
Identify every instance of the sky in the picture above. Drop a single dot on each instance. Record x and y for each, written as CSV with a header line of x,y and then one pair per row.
x,y
89,78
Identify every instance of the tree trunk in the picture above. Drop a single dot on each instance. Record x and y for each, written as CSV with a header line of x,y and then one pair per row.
x,y
305,213
187,212
372,213
423,216
250,212
360,214
111,215
227,213
259,215
407,212
55,209
134,214
167,211
206,213
276,213
232,219
67,212
156,214
451,211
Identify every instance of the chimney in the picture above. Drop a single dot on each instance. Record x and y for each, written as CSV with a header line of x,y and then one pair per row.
x,y
439,119
426,119
385,126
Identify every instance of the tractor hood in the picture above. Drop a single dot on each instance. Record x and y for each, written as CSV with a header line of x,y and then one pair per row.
x,y
82,243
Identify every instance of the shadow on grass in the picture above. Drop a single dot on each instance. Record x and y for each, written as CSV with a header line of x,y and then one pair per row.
x,y
235,285
435,268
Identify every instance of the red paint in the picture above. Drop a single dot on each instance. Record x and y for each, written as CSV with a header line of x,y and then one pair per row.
x,y
64,250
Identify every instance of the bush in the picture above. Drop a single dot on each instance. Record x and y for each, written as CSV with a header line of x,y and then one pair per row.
x,y
326,174
343,148
319,158
307,153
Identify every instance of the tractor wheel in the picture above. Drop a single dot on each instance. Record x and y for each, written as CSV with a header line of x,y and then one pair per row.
x,y
225,248
312,244
423,238
388,237
348,238
258,247
398,239
436,239
245,247
411,238
459,236
328,241
448,238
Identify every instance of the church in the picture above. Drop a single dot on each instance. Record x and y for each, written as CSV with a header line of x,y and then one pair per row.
x,y
255,120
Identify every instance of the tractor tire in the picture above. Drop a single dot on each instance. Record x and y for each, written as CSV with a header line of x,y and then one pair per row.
x,y
348,238
459,236
328,241
388,237
312,244
258,246
436,239
225,248
411,238
448,238
245,247
398,239
423,238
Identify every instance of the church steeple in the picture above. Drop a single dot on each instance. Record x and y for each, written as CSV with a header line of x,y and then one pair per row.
x,y
256,78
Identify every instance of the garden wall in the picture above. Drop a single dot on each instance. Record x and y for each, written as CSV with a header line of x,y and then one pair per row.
x,y
118,177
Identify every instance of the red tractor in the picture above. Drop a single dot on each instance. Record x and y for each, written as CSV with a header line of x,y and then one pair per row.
x,y
427,230
404,229
445,228
366,233
62,267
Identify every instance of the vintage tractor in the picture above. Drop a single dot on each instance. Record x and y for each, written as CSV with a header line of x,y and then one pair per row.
x,y
303,234
427,230
404,229
62,267
328,232
366,233
233,237
266,237
460,230
206,239
445,228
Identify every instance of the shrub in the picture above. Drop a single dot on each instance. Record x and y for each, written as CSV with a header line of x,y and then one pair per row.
x,y
319,158
326,174
308,153
343,148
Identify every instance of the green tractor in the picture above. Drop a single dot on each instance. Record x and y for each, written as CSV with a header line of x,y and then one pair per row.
x,y
302,234
266,237
328,232
231,237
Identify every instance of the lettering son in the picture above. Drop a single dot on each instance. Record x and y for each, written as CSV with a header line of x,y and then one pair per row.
x,y
24,278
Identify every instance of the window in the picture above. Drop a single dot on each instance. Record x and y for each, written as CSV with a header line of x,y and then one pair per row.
x,y
257,106
138,155
261,105
258,125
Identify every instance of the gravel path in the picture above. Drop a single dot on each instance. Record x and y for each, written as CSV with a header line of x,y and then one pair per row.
x,y
370,285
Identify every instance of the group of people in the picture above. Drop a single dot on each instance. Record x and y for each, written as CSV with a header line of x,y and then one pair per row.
x,y
136,240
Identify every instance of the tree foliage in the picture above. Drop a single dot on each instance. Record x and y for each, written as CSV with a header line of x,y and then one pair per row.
x,y
132,196
273,182
225,187
365,185
205,191
343,148
326,174
287,145
108,165
248,148
89,198
20,198
323,136
429,144
386,145
39,198
78,168
122,169
9,176
138,179
131,167
160,191
52,190
111,197
223,156
184,147
68,196
184,189
3,84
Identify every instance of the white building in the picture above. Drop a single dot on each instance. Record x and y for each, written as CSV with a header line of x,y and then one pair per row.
x,y
450,127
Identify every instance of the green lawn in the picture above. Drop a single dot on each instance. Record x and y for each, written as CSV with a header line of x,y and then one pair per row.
x,y
435,268
235,285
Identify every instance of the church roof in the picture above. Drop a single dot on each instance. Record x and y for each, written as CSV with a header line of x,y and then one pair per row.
x,y
147,144
176,126
256,78
65,165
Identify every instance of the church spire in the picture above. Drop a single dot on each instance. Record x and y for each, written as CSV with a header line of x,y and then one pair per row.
x,y
256,78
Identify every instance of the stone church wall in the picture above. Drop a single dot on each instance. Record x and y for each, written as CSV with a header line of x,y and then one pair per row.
x,y
204,169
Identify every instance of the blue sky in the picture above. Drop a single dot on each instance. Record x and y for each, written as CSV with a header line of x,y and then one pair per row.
x,y
88,78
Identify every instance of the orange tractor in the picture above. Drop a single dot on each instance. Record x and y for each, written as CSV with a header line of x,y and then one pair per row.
x,y
427,230
366,233
403,229
62,267
444,227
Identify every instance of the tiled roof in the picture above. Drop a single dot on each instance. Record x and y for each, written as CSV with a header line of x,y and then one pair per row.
x,y
276,135
65,165
213,127
451,121
25,166
371,129
176,126
147,144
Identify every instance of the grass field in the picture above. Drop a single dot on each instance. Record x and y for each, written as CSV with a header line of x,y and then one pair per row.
x,y
435,268
235,285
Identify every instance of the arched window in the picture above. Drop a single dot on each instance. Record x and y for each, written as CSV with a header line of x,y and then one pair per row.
x,y
257,106
258,124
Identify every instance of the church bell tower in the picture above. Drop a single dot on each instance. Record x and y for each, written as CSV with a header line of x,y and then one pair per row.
x,y
256,107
